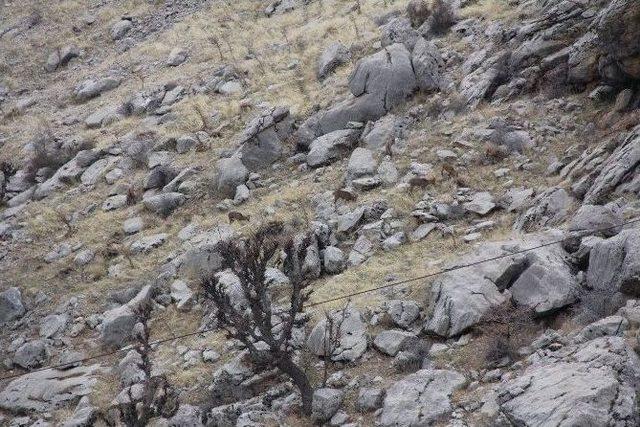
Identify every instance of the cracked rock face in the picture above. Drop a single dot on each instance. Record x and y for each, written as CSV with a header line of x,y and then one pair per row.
x,y
615,173
548,208
588,384
46,390
614,268
262,140
350,329
420,399
379,83
541,281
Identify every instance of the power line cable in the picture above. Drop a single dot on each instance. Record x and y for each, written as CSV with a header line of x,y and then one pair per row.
x,y
338,298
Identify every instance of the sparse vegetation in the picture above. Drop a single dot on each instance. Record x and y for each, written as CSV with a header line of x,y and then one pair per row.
x,y
269,344
442,16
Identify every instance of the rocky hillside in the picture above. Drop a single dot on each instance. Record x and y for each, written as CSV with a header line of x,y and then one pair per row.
x,y
456,181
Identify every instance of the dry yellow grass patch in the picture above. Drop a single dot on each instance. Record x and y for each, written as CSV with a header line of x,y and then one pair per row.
x,y
490,9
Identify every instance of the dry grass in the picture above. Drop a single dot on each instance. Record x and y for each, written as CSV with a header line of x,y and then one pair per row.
x,y
490,9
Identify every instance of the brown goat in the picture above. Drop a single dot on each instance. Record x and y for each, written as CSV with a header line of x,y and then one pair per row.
x,y
496,152
345,195
449,170
237,216
420,182
418,11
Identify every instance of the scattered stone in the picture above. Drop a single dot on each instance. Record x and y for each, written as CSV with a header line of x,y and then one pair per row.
x,y
31,354
61,57
351,343
369,399
182,295
403,312
84,257
333,56
165,203
481,203
186,143
49,389
147,243
361,163
177,56
422,398
11,305
392,341
120,29
114,202
331,147
52,325
326,402
132,225
334,261
231,173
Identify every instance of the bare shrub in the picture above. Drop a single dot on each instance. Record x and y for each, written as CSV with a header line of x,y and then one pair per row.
x,y
555,83
506,328
158,397
418,12
265,330
47,151
442,16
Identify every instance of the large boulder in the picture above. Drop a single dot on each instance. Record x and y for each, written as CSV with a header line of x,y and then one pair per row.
x,y
332,57
49,389
349,329
605,220
615,172
540,280
379,83
458,301
482,83
11,306
618,32
428,66
614,267
548,208
331,147
231,173
164,203
547,284
263,138
590,384
385,78
420,399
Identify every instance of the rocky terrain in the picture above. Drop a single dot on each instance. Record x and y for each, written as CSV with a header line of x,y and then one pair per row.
x,y
460,177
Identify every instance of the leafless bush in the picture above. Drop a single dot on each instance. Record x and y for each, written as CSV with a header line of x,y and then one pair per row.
x,y
333,328
264,330
158,397
442,16
418,12
7,169
47,151
507,328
